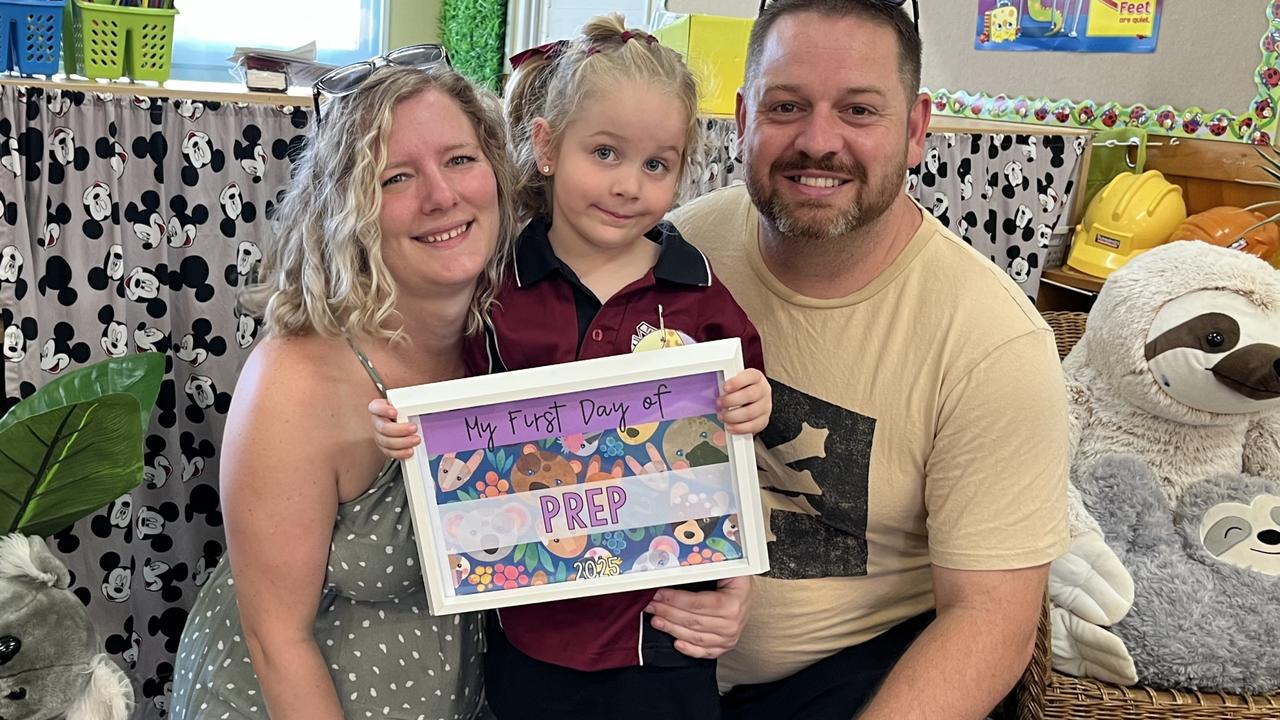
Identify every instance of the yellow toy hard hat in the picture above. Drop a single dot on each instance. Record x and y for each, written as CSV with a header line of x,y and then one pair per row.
x,y
1234,228
1131,215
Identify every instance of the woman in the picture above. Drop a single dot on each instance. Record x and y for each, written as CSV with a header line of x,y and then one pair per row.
x,y
391,238
333,616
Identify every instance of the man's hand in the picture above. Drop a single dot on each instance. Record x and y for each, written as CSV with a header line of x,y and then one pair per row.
x,y
704,624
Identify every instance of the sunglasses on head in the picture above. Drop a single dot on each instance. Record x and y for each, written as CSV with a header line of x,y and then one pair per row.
x,y
348,78
915,8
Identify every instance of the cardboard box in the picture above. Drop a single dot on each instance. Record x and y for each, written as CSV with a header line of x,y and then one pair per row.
x,y
715,48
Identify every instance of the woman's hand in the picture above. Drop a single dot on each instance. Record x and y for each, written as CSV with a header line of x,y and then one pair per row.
x,y
704,624
745,403
395,439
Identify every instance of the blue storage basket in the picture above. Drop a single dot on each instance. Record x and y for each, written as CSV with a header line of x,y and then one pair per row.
x,y
31,40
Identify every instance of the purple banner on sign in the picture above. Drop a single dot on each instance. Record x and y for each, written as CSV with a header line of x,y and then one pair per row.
x,y
586,411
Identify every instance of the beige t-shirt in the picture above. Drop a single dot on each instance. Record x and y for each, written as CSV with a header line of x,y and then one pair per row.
x,y
921,420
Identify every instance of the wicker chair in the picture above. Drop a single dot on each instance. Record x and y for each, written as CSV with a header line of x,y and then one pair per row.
x,y
1044,694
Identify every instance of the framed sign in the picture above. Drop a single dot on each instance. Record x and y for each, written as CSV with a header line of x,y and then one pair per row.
x,y
585,478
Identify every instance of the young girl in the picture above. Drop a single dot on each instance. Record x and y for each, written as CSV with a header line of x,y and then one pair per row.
x,y
605,128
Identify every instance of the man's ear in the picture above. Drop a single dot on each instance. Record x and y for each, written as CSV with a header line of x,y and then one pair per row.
x,y
543,146
918,119
740,114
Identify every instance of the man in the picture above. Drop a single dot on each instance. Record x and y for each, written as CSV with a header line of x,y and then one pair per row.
x,y
914,471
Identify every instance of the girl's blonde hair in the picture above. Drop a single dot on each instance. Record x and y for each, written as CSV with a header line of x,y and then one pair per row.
x,y
554,85
322,270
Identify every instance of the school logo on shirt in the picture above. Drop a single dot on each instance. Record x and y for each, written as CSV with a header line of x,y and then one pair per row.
x,y
642,330
648,337
814,478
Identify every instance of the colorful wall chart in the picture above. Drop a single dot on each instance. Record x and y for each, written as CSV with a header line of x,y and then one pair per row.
x,y
1112,26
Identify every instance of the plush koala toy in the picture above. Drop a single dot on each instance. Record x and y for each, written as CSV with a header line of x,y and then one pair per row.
x,y
1206,574
50,666
1179,367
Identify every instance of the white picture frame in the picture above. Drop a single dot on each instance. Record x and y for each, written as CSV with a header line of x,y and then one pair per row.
x,y
471,548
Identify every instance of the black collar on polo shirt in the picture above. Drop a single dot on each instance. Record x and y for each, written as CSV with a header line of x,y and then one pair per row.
x,y
678,261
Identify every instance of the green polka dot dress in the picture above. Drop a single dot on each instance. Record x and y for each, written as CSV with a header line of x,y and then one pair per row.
x,y
389,658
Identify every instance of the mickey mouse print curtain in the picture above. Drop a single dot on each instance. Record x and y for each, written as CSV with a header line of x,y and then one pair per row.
x,y
1004,194
129,223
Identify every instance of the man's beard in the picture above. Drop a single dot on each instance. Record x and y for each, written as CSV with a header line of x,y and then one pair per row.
x,y
819,219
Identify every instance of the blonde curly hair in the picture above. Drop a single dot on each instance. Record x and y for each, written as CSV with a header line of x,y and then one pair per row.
x,y
322,270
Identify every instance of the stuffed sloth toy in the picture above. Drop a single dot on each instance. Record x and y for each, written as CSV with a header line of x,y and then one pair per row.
x,y
50,666
1179,367
1206,575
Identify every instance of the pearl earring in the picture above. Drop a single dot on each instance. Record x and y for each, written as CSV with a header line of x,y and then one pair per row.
x,y
546,169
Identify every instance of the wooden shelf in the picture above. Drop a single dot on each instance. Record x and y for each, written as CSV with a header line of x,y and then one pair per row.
x,y
1209,171
949,123
1072,279
207,91
1062,288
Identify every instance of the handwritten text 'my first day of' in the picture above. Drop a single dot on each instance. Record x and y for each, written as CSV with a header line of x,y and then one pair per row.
x,y
618,407
548,422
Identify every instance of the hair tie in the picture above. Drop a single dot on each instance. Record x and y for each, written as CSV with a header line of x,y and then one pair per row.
x,y
624,37
629,35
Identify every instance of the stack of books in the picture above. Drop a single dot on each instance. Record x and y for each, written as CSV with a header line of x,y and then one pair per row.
x,y
270,70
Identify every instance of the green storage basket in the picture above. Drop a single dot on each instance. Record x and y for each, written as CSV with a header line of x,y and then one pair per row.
x,y
106,41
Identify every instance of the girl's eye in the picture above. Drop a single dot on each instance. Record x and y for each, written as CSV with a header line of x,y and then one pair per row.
x,y
655,166
394,179
461,160
604,153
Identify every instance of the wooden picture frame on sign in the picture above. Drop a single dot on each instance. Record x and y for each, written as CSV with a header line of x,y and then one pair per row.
x,y
586,478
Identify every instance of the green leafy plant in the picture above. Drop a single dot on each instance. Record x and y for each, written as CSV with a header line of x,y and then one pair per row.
x,y
76,443
472,33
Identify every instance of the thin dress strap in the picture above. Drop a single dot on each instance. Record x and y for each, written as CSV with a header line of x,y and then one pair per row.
x,y
368,367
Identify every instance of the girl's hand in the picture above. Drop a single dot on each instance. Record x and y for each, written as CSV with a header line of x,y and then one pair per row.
x,y
394,439
745,403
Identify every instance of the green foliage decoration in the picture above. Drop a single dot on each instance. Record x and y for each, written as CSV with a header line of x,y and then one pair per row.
x,y
76,443
472,34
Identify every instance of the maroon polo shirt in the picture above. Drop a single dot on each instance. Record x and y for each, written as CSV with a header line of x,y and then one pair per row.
x,y
545,315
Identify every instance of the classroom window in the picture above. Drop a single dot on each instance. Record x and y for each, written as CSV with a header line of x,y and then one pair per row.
x,y
207,31
533,22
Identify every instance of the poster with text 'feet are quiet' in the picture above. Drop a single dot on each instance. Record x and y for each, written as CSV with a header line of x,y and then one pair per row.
x,y
1110,26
